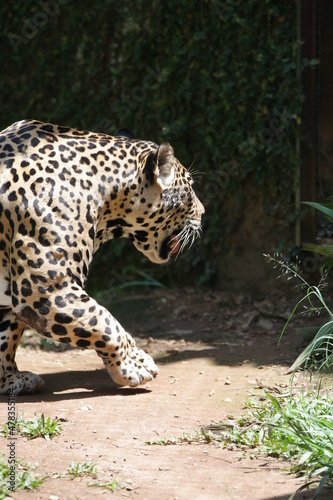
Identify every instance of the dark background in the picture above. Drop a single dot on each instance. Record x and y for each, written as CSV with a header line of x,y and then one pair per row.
x,y
234,86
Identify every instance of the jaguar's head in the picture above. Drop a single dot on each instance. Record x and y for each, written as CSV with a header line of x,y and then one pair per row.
x,y
170,217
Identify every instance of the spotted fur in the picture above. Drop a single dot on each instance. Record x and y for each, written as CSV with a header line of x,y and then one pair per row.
x,y
63,192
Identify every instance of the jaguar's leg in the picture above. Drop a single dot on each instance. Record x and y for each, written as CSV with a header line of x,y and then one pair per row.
x,y
11,380
73,317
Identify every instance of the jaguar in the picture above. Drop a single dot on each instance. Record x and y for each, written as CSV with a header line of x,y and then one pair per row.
x,y
64,192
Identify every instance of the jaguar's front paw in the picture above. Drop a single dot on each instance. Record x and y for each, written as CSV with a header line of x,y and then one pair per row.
x,y
144,359
15,382
136,368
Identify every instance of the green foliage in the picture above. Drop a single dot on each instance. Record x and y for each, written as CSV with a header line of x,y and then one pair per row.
x,y
34,427
325,208
194,437
319,352
299,430
25,479
216,79
90,469
112,485
322,249
48,345
118,281
82,469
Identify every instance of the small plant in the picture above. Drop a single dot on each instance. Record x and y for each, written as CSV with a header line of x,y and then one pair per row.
x,y
34,427
47,344
25,479
194,437
112,485
299,430
82,469
323,249
90,469
320,349
132,279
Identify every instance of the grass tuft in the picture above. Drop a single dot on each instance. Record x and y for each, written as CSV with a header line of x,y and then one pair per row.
x,y
33,427
319,353
25,479
112,485
299,431
82,469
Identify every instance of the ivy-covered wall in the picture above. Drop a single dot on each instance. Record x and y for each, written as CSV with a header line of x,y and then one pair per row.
x,y
215,78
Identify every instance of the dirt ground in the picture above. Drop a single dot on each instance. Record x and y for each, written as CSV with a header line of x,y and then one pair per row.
x,y
211,349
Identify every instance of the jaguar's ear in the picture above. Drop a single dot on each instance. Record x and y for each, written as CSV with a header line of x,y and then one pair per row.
x,y
165,165
124,132
159,167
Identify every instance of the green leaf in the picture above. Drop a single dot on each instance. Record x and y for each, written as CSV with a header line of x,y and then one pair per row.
x,y
325,208
321,484
326,331
308,331
320,249
304,458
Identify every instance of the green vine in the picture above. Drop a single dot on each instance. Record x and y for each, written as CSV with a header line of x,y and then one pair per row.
x,y
215,78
